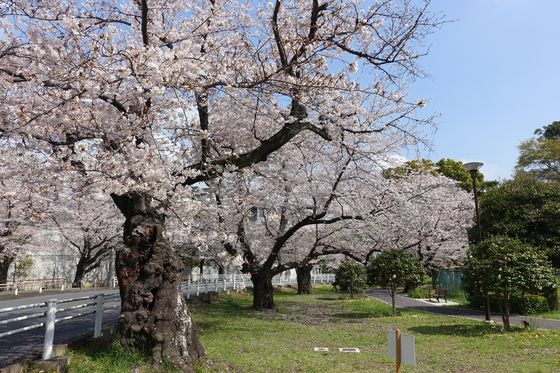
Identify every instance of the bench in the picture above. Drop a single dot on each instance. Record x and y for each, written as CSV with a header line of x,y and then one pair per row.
x,y
438,293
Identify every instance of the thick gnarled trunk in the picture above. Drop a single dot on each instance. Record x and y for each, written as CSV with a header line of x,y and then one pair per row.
x,y
263,293
303,273
154,313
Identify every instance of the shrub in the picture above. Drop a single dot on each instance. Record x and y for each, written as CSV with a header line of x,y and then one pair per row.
x,y
529,304
520,304
350,276
422,292
395,268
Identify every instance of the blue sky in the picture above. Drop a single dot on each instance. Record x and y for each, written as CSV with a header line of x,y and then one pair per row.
x,y
494,78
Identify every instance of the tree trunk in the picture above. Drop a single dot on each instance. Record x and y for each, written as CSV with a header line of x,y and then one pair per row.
x,y
504,309
154,314
393,293
551,295
201,268
304,279
4,267
80,272
434,273
263,293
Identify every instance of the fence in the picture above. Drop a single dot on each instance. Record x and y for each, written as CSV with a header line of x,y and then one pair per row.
x,y
236,282
34,284
450,280
46,313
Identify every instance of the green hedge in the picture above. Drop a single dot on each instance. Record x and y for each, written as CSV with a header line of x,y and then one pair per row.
x,y
520,304
420,292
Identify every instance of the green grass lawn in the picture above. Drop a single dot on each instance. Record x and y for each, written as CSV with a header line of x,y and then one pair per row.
x,y
238,339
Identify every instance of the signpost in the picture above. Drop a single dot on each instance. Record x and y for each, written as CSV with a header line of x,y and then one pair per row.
x,y
401,348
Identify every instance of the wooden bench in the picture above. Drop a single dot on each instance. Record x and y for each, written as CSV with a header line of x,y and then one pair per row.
x,y
438,293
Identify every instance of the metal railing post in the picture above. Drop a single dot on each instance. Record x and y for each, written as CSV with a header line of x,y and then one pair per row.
x,y
234,276
49,329
98,316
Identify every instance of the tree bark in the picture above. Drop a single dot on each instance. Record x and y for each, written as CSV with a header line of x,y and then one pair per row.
x,y
201,268
263,293
80,272
303,273
434,273
154,314
4,267
504,309
551,295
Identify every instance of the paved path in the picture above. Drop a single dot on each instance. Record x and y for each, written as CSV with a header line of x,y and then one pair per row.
x,y
17,346
414,304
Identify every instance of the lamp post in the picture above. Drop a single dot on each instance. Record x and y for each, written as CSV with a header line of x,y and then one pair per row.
x,y
473,168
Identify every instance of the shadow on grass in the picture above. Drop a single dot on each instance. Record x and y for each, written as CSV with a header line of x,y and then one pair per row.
x,y
226,306
463,330
331,298
360,315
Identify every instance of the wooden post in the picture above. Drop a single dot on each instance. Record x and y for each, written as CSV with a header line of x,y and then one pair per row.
x,y
398,350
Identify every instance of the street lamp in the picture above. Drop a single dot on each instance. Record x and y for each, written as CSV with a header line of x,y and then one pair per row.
x,y
473,168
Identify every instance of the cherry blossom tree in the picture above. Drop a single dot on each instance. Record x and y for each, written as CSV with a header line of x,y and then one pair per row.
x,y
147,97
92,226
427,215
297,209
21,204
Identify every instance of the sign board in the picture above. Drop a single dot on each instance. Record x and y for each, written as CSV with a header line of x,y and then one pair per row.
x,y
349,349
321,349
408,354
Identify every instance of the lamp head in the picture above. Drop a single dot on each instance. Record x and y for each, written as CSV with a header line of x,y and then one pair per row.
x,y
473,166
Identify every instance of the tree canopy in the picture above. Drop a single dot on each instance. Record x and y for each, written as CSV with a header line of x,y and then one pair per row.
x,y
447,167
526,209
540,156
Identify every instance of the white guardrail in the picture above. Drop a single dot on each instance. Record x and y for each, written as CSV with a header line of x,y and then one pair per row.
x,y
218,283
47,312
96,304
34,284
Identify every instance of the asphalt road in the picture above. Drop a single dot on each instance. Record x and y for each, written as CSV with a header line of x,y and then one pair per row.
x,y
414,304
17,346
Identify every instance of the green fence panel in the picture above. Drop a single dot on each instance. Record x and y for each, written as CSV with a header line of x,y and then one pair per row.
x,y
450,280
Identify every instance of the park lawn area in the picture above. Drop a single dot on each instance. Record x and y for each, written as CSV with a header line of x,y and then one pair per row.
x,y
238,339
